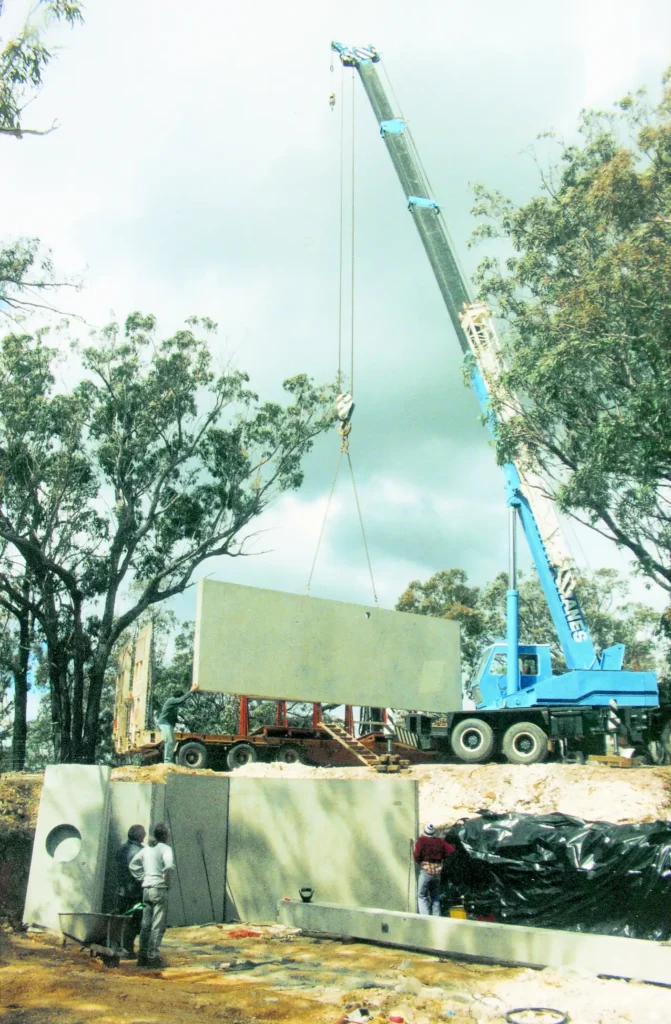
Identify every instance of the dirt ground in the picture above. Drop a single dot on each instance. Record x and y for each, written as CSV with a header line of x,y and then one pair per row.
x,y
280,976
446,792
452,791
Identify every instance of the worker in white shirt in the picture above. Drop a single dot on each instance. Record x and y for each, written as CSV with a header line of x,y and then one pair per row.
x,y
152,867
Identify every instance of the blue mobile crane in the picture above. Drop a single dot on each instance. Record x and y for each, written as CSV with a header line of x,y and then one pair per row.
x,y
521,709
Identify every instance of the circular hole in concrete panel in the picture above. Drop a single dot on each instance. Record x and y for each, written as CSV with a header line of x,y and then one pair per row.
x,y
64,842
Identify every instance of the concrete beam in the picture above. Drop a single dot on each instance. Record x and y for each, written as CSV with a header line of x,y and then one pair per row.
x,y
500,943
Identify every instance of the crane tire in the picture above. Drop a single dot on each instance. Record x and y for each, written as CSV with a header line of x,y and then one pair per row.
x,y
240,755
472,740
290,753
525,743
192,755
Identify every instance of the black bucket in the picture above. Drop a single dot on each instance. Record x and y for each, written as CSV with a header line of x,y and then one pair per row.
x,y
306,893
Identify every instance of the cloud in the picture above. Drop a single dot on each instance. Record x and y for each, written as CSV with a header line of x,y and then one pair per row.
x,y
196,170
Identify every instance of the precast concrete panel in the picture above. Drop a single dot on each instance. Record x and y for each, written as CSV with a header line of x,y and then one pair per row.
x,y
349,841
196,811
67,869
611,955
131,803
270,644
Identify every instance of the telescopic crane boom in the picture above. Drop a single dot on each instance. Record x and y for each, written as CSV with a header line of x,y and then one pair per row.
x,y
477,336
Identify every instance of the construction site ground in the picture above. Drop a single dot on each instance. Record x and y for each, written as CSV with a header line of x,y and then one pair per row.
x,y
314,979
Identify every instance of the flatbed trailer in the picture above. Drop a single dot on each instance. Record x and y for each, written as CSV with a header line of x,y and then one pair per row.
x,y
286,744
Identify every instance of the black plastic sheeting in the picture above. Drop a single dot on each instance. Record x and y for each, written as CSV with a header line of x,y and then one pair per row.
x,y
554,871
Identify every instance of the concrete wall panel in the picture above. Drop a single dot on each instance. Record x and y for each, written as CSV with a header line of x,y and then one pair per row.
x,y
196,810
350,841
270,644
67,869
500,943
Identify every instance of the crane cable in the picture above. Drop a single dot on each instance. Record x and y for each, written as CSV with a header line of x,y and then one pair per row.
x,y
344,403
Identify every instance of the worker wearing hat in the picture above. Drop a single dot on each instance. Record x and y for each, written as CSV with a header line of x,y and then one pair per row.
x,y
430,854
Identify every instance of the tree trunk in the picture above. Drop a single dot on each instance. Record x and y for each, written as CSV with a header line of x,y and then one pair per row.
x,y
92,721
21,686
79,656
60,706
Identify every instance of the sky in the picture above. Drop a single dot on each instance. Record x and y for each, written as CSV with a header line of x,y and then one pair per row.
x,y
196,170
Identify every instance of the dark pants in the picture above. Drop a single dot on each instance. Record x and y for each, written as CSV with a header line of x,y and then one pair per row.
x,y
133,923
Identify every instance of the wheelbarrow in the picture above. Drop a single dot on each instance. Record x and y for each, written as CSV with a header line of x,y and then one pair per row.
x,y
101,934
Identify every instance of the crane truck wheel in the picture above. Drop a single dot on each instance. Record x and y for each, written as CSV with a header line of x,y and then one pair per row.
x,y
290,753
240,755
192,755
472,740
525,743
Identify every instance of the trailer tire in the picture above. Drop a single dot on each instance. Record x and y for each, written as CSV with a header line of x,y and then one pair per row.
x,y
472,740
240,755
290,753
525,743
192,755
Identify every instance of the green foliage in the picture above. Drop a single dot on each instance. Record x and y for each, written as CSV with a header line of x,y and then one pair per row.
x,y
24,60
586,292
481,611
152,464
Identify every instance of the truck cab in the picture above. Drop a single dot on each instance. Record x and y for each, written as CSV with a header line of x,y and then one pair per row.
x,y
489,685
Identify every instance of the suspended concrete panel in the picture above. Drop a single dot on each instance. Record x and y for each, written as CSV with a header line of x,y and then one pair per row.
x,y
501,943
196,810
349,841
67,868
267,643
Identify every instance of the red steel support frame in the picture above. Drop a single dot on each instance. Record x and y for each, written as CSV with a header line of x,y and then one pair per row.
x,y
316,715
243,724
281,713
349,719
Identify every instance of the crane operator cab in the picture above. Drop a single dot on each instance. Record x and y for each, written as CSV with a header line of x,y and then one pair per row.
x,y
489,684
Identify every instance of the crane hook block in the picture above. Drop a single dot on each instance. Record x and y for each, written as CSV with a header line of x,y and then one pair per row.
x,y
332,100
344,407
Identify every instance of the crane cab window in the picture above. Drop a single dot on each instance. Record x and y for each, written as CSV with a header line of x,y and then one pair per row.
x,y
529,665
499,665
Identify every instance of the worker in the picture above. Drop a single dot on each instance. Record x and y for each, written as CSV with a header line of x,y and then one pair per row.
x,y
152,868
167,720
430,853
129,890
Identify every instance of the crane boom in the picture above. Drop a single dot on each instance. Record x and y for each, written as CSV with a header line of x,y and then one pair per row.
x,y
476,332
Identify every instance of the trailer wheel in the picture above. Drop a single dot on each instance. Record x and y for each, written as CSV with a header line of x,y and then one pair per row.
x,y
472,740
240,755
525,743
290,753
192,755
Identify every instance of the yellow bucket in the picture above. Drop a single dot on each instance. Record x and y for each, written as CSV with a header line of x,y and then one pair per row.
x,y
458,912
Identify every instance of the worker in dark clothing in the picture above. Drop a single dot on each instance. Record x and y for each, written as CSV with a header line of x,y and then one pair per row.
x,y
167,720
430,853
129,890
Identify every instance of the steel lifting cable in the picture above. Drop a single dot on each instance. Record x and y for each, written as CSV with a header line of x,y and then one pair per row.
x,y
344,404
351,299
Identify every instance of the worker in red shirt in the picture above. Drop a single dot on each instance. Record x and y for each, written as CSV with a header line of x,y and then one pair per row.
x,y
430,853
